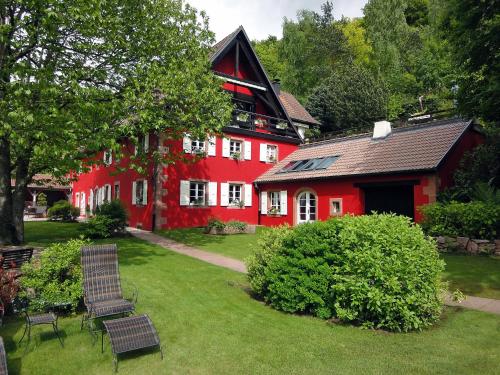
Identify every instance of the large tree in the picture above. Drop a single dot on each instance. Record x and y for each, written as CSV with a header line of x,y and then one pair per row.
x,y
76,75
350,100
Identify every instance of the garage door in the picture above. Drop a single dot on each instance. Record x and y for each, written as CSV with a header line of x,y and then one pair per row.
x,y
395,199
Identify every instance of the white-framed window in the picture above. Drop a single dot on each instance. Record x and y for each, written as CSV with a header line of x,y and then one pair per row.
x,y
116,190
108,157
140,193
197,193
235,148
142,143
336,206
107,193
198,146
271,153
274,203
235,191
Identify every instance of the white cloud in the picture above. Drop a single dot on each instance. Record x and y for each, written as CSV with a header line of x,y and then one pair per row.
x,y
261,18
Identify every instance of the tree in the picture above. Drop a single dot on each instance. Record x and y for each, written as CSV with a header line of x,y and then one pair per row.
x,y
355,34
267,51
473,28
310,50
76,76
351,99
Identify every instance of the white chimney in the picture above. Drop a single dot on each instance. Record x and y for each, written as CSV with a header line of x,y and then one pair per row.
x,y
381,129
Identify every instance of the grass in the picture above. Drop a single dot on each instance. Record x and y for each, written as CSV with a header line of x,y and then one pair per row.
x,y
237,246
209,324
473,275
42,233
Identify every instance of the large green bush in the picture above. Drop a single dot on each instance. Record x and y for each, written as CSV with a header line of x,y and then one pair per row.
x,y
110,219
64,211
56,276
474,219
379,271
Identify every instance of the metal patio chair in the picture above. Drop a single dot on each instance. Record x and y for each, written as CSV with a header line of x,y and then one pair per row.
x,y
102,289
3,359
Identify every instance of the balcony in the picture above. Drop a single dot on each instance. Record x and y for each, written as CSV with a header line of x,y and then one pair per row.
x,y
261,123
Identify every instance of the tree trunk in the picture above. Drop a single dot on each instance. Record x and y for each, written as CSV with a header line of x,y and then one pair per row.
x,y
7,229
19,197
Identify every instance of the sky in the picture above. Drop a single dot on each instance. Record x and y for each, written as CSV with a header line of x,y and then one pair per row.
x,y
262,18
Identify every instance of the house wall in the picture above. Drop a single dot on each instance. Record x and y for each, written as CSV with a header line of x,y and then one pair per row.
x,y
345,189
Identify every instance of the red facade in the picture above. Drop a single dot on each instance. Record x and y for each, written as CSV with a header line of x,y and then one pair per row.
x,y
221,183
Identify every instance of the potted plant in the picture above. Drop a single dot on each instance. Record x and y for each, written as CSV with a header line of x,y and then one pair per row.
x,y
282,125
236,155
242,117
198,202
260,122
273,211
241,204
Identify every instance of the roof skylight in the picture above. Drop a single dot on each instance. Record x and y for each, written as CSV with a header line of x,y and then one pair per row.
x,y
309,164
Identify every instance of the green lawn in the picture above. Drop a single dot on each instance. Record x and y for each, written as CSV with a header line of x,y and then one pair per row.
x,y
473,275
41,233
237,246
209,324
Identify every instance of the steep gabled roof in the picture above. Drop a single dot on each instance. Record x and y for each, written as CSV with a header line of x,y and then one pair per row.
x,y
295,110
418,148
290,107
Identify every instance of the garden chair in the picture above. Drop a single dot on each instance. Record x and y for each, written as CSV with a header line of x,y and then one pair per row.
x,y
3,359
101,284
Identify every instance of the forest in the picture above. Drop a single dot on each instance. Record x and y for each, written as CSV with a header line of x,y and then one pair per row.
x,y
402,58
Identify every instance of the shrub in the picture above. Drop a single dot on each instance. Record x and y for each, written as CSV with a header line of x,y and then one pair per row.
x,y
110,220
9,286
41,199
64,211
378,270
473,219
55,276
237,225
215,223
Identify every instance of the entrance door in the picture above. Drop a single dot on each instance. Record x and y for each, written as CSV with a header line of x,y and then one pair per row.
x,y
83,204
306,207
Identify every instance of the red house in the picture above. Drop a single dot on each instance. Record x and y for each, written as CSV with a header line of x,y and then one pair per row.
x,y
260,171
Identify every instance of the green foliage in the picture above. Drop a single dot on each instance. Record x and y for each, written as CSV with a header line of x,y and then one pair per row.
x,y
63,211
474,219
115,210
473,28
350,99
355,34
486,193
99,226
219,225
379,271
267,51
56,276
216,223
41,199
237,225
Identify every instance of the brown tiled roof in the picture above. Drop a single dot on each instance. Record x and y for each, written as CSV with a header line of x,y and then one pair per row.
x,y
219,46
295,110
416,148
46,182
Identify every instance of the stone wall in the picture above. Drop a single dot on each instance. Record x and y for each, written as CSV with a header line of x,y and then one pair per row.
x,y
467,245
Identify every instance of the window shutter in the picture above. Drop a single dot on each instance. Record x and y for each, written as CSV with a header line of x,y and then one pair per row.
x,y
224,194
99,195
225,147
283,202
134,186
145,192
91,200
263,152
248,150
248,195
212,193
146,142
108,187
211,145
184,193
186,144
263,202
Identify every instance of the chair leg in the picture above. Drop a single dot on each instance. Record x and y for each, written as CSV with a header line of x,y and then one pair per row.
x,y
24,333
83,320
56,331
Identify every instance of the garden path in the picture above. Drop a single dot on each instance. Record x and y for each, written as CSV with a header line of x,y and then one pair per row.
x,y
474,303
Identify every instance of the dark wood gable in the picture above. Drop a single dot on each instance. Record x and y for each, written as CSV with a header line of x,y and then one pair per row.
x,y
235,60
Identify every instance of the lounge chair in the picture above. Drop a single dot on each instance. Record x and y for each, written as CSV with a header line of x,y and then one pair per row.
x,y
3,359
101,284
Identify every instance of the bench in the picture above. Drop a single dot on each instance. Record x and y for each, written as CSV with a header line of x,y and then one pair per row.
x,y
14,257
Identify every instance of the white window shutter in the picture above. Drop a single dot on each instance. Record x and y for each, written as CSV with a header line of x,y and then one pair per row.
x,y
248,150
263,152
109,193
224,194
91,200
146,142
263,202
211,145
283,202
184,193
225,147
145,192
212,193
134,186
186,144
248,195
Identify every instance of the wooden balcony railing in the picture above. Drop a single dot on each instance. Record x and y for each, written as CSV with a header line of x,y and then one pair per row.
x,y
262,123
